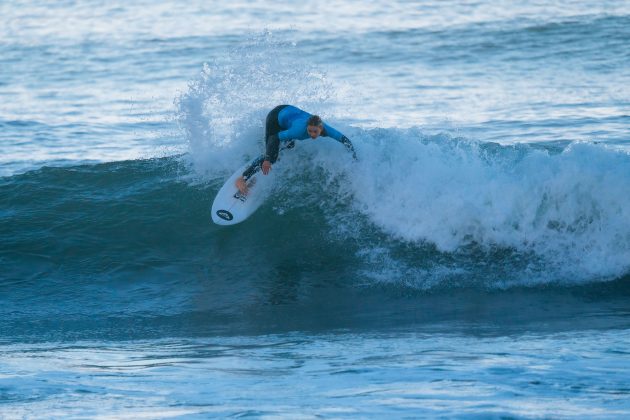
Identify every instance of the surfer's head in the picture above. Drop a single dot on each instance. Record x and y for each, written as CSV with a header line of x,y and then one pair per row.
x,y
314,126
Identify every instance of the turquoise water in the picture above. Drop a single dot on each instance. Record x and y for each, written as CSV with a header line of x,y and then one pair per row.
x,y
474,262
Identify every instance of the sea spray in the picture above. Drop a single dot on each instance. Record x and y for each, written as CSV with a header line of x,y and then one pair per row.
x,y
223,111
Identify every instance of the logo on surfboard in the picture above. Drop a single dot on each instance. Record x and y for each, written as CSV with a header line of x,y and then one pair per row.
x,y
225,215
240,196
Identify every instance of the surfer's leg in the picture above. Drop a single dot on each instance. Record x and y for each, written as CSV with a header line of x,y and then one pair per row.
x,y
272,128
272,125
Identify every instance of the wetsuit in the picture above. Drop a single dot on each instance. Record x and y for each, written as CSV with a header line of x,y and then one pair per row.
x,y
284,124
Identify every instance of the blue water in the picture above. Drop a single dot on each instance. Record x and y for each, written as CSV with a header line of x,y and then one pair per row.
x,y
474,262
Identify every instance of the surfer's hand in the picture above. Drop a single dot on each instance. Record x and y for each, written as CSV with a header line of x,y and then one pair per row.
x,y
346,142
266,167
241,185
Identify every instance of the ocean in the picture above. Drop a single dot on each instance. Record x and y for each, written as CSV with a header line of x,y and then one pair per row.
x,y
474,262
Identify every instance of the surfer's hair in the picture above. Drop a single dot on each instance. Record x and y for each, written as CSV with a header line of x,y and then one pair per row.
x,y
315,120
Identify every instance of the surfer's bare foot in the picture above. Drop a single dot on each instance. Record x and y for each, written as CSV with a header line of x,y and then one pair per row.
x,y
241,185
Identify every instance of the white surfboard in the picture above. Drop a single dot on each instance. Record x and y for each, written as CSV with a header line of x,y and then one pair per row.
x,y
231,207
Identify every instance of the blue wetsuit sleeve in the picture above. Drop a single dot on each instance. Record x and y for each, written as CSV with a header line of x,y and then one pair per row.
x,y
332,133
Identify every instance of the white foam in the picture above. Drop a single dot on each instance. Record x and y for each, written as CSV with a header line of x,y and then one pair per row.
x,y
572,208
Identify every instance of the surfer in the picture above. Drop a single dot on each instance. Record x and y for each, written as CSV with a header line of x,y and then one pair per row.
x,y
284,124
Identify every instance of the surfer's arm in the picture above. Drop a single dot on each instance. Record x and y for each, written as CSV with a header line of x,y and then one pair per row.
x,y
272,148
334,134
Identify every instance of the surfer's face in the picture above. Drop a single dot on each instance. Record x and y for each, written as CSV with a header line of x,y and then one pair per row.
x,y
314,131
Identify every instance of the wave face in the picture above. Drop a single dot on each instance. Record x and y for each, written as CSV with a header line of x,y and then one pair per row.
x,y
417,209
128,249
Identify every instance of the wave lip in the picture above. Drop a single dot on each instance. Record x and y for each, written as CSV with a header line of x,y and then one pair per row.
x,y
569,208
